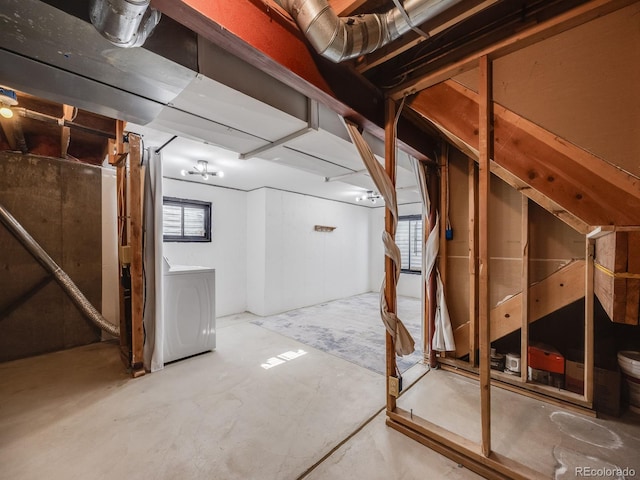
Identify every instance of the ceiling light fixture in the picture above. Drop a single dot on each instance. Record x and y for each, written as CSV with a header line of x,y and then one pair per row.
x,y
370,195
8,99
202,169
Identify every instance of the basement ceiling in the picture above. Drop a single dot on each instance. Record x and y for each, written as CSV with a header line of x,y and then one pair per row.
x,y
220,107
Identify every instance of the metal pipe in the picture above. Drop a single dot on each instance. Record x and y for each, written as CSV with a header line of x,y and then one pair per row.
x,y
125,23
339,39
59,275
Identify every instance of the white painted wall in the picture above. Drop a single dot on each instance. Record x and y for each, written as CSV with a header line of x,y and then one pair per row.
x,y
110,288
256,250
304,267
227,250
409,284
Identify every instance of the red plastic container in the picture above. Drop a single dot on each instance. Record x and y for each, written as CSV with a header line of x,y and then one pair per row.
x,y
544,357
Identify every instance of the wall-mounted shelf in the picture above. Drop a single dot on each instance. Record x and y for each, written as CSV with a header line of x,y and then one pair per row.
x,y
323,228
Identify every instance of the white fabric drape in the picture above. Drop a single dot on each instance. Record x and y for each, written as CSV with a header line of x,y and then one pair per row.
x,y
153,317
443,339
404,343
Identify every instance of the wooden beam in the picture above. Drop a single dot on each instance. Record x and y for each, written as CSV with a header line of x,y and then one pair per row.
x,y
589,334
389,266
459,449
137,280
544,393
484,149
346,7
582,184
444,209
524,309
561,288
65,132
453,15
472,341
561,23
259,34
431,303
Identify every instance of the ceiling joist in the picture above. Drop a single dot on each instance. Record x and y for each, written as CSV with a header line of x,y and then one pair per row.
x,y
583,185
426,76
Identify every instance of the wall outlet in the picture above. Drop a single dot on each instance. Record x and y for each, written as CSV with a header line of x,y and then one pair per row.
x,y
394,386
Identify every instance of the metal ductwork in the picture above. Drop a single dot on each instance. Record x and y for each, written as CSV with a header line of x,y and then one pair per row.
x,y
59,275
125,23
339,39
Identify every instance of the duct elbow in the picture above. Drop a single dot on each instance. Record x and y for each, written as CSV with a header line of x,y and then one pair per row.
x,y
125,23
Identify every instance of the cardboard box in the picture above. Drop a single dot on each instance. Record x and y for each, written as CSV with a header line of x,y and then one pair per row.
x,y
574,377
606,387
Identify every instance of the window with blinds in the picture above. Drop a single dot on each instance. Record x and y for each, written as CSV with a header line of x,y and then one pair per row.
x,y
409,240
186,220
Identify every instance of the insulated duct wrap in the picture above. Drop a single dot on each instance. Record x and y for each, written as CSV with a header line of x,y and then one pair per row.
x,y
340,39
60,276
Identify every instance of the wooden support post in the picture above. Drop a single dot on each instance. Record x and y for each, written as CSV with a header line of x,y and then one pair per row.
x,y
430,304
389,267
123,240
524,332
137,281
588,320
65,133
485,98
473,262
444,208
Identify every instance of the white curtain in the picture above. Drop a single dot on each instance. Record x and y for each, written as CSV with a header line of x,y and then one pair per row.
x,y
404,343
443,339
153,280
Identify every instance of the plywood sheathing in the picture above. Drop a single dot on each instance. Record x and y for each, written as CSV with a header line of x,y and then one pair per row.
x,y
556,291
584,186
579,85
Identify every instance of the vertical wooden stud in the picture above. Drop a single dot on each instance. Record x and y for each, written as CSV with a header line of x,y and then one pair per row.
x,y
588,320
137,281
473,262
389,267
524,332
485,98
430,304
65,132
444,208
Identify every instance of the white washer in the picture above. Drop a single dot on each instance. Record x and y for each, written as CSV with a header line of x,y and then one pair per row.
x,y
189,311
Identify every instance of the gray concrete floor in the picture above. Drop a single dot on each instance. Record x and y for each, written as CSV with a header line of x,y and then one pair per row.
x,y
76,414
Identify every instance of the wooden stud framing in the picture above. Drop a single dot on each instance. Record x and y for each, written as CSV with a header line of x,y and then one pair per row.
x,y
389,267
460,449
524,331
537,158
137,281
540,31
444,208
473,262
430,303
588,321
485,99
65,132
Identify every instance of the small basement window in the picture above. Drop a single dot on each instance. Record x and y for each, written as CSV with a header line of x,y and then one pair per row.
x,y
186,220
409,240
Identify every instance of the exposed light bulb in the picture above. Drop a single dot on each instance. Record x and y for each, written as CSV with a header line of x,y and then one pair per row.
x,y
6,112
183,172
220,174
205,176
